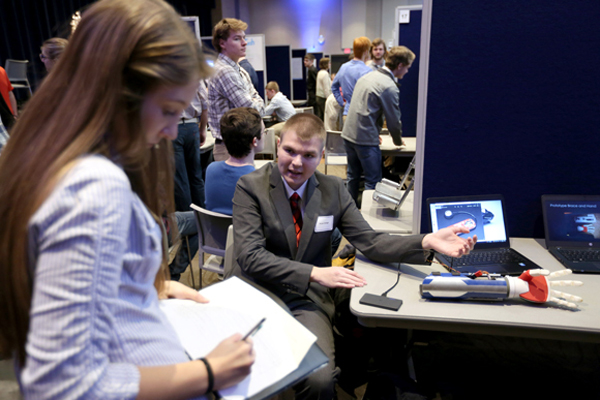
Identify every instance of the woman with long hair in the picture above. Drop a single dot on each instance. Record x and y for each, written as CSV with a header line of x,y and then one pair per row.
x,y
83,182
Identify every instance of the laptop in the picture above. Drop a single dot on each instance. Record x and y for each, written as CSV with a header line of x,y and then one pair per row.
x,y
572,225
484,216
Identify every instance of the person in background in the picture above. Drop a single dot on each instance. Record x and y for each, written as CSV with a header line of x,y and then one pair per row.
x,y
244,63
191,133
230,85
6,90
51,50
323,87
311,79
83,255
243,133
378,53
333,113
378,93
278,105
188,181
350,72
3,136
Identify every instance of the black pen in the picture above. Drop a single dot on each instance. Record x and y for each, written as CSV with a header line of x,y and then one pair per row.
x,y
255,329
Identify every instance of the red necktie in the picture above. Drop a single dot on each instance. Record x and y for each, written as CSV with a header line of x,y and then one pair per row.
x,y
297,214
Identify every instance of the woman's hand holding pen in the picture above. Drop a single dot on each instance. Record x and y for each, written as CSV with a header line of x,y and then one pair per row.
x,y
231,361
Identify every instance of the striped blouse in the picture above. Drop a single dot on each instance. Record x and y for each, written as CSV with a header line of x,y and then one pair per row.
x,y
94,251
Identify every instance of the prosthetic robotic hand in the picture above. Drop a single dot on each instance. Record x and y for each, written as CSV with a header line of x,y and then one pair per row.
x,y
539,287
532,285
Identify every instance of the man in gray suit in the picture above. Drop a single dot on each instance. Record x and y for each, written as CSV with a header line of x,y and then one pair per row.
x,y
286,247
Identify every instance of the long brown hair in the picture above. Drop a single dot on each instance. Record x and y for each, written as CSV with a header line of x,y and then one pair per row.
x,y
89,103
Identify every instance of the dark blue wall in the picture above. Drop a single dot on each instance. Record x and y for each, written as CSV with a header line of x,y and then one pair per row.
x,y
409,35
279,68
514,104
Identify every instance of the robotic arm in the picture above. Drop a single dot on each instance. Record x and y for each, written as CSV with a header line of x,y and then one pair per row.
x,y
531,285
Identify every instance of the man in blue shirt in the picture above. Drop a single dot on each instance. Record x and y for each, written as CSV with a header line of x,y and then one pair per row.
x,y
350,72
242,130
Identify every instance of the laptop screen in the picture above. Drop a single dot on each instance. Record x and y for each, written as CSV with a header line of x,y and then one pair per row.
x,y
572,219
483,217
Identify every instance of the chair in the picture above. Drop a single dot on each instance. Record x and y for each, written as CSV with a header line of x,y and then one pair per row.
x,y
228,261
335,151
212,238
17,74
270,147
173,249
307,110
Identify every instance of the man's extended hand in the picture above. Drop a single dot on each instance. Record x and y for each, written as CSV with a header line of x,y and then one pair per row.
x,y
446,241
337,277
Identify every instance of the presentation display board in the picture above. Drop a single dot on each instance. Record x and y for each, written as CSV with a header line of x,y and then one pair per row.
x,y
194,24
298,75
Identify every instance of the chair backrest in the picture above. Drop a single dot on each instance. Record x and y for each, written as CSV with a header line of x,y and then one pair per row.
x,y
212,230
16,70
270,147
334,144
308,110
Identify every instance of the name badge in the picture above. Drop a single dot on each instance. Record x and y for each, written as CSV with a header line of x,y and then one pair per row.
x,y
324,224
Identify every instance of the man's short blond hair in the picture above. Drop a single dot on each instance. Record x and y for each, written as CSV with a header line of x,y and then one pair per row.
x,y
272,86
399,55
223,29
306,126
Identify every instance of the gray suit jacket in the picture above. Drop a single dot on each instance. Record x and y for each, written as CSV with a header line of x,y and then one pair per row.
x,y
265,238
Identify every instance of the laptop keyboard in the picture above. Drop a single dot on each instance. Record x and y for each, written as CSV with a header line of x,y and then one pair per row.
x,y
581,255
501,256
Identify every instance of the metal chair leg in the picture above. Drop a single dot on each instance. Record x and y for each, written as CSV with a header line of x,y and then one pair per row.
x,y
187,242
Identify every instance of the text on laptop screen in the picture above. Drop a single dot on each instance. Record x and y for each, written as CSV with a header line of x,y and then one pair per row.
x,y
483,218
576,221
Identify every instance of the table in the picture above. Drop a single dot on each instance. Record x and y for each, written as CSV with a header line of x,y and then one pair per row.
x,y
513,317
298,103
261,163
209,143
383,219
388,148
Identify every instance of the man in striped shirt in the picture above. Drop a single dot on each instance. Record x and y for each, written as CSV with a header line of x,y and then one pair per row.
x,y
230,86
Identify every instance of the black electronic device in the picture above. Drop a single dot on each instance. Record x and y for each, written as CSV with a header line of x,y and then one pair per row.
x,y
381,301
484,216
572,228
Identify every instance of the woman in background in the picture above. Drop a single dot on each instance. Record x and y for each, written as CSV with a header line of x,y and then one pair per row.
x,y
81,186
323,86
51,50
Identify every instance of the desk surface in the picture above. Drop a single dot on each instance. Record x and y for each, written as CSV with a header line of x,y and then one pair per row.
x,y
383,219
388,148
209,143
298,103
513,317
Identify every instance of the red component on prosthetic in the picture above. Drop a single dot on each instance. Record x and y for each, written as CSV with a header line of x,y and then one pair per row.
x,y
538,288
